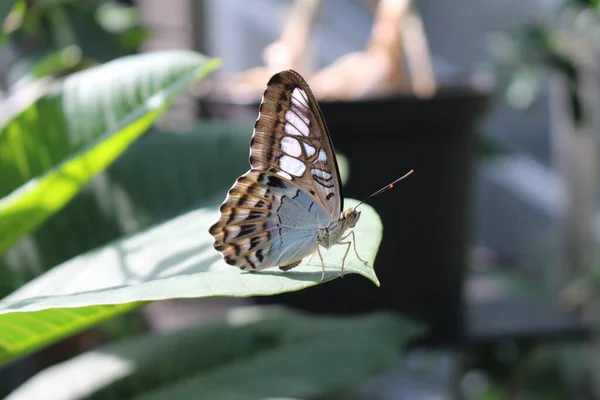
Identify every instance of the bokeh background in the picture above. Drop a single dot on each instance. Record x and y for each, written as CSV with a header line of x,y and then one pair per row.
x,y
491,245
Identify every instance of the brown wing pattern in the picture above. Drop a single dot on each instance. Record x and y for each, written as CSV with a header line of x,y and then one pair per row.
x,y
291,140
267,221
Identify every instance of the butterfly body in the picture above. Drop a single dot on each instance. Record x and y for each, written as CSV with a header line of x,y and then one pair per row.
x,y
290,202
334,233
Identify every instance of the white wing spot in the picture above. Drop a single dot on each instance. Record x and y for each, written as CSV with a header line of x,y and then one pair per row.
x,y
292,165
302,116
291,129
322,156
309,149
299,98
291,146
321,174
295,125
285,175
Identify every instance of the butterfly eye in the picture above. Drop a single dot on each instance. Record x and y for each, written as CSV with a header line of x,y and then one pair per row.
x,y
350,214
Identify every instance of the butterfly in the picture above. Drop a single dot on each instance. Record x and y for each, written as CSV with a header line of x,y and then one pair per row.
x,y
289,204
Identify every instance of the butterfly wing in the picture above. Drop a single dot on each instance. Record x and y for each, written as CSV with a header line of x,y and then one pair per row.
x,y
291,140
267,221
272,214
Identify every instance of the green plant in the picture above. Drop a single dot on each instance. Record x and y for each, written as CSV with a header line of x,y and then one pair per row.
x,y
71,132
55,38
249,353
74,130
174,259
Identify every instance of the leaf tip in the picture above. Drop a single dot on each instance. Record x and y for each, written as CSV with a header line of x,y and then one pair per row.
x,y
375,280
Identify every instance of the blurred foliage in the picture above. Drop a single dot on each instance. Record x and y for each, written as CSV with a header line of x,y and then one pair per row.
x,y
55,38
14,8
489,148
522,55
567,44
527,370
267,352
592,4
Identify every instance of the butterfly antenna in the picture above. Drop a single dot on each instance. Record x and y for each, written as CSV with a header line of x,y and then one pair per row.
x,y
387,187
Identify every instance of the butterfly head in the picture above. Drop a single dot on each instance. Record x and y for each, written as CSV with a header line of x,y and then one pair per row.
x,y
350,217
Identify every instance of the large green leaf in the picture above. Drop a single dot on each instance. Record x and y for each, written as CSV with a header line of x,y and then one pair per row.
x,y
49,151
251,353
173,260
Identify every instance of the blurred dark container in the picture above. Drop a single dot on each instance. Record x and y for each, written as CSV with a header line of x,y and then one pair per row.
x,y
423,256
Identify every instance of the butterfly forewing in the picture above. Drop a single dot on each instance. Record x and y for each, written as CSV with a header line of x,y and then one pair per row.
x,y
291,140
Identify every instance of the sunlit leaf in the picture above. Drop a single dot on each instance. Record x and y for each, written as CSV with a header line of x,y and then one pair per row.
x,y
173,260
49,151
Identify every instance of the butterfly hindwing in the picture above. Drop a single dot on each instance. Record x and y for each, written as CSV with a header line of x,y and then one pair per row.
x,y
267,221
291,140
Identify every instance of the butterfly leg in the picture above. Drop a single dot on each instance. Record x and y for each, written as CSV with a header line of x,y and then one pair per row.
x,y
345,254
322,264
354,244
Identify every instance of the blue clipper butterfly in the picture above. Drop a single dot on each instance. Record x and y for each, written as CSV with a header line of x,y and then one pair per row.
x,y
290,202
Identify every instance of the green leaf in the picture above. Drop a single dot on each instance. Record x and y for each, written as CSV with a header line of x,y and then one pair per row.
x,y
173,260
157,178
251,353
50,151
